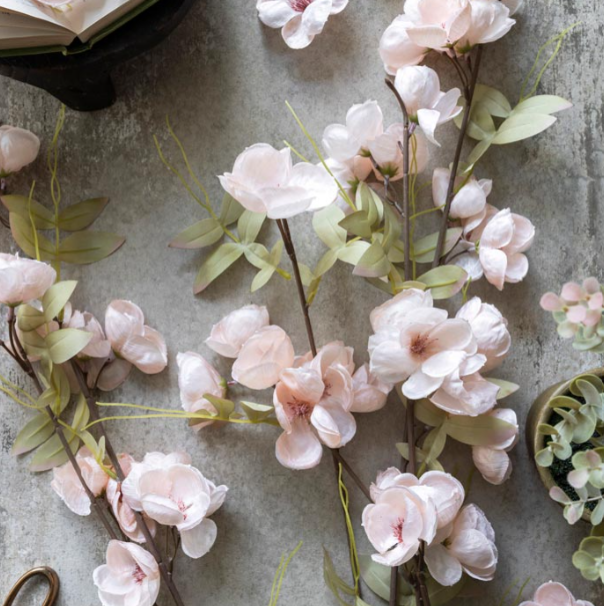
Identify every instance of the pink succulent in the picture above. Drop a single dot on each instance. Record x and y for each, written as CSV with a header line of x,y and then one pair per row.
x,y
554,594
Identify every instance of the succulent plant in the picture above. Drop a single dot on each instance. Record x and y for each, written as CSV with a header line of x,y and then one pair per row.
x,y
589,559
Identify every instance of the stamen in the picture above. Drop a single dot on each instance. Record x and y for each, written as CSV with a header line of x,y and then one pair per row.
x,y
299,409
300,5
138,574
397,529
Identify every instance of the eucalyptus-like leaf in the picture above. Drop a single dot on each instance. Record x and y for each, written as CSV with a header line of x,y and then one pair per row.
x,y
23,235
392,230
203,233
82,214
358,224
20,205
35,432
249,226
374,263
84,247
326,223
353,252
444,281
326,262
482,430
257,412
493,100
506,388
29,318
425,248
230,211
216,264
56,297
66,343
522,126
542,104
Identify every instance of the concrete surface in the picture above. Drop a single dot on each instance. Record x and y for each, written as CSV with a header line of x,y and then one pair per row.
x,y
223,79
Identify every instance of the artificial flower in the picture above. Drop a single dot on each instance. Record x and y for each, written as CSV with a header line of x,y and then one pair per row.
x,y
490,329
492,460
554,594
369,392
470,200
386,151
263,357
468,545
67,485
175,493
98,346
397,50
23,280
300,20
130,577
265,180
18,148
312,404
418,345
419,88
196,378
396,523
230,334
133,342
489,21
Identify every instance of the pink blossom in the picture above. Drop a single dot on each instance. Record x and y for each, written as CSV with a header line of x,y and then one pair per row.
x,y
467,545
312,404
98,346
67,485
419,88
418,345
489,21
369,393
23,280
397,50
18,147
262,358
490,330
196,378
300,20
265,180
230,334
130,576
554,594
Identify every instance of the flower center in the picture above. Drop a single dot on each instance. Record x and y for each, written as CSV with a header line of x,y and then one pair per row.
x,y
299,409
397,530
419,345
181,506
138,574
300,5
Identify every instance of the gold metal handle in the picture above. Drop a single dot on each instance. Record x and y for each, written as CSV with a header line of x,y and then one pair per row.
x,y
51,576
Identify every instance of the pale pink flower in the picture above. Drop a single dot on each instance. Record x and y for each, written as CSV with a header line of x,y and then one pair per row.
x,y
419,88
230,334
398,521
300,20
23,280
397,50
470,200
493,460
446,492
263,357
196,378
369,393
173,493
98,346
467,546
132,341
130,576
18,147
490,330
418,345
489,21
265,180
554,594
67,485
312,404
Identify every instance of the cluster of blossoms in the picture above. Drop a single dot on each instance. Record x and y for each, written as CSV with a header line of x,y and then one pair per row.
x,y
451,27
578,313
407,511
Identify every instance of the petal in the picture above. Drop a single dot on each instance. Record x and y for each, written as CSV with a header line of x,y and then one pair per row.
x,y
197,541
447,106
317,182
440,185
315,16
364,122
475,552
517,268
494,263
275,13
340,419
147,352
428,121
420,385
123,320
299,449
428,36
499,231
551,302
114,374
470,200
443,364
397,50
554,594
338,144
494,465
444,568
455,333
571,291
295,33
285,202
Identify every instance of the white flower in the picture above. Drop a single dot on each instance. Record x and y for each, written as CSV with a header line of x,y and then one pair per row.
x,y
23,280
18,147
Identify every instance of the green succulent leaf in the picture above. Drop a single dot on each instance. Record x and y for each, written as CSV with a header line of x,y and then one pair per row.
x,y
82,215
203,233
84,247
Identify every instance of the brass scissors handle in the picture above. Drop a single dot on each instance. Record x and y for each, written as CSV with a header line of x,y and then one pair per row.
x,y
51,576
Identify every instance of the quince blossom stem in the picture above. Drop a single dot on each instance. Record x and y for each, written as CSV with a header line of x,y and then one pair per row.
x,y
469,96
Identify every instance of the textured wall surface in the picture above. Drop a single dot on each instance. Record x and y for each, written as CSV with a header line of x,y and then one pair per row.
x,y
223,79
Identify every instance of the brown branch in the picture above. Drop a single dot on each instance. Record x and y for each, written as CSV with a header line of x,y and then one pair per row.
x,y
469,96
360,484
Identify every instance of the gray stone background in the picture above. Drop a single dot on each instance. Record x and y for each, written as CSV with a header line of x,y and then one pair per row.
x,y
223,79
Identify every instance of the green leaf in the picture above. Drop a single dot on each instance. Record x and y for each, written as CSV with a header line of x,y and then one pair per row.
x,y
506,388
353,252
82,215
434,443
367,200
478,431
216,264
64,344
56,297
357,223
326,223
544,458
200,234
522,126
249,225
19,205
86,247
444,281
24,237
33,344
493,100
439,595
428,413
373,264
326,262
335,584
29,318
376,576
425,249
256,412
224,408
35,433
480,150
481,125
231,210
272,262
542,104
392,229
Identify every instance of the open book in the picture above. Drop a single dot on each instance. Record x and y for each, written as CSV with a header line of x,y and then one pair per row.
x,y
27,26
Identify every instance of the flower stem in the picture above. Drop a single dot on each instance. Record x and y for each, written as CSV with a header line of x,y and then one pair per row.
x,y
361,485
469,96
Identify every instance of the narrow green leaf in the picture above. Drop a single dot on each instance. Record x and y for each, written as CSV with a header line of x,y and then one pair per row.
x,y
217,263
223,407
35,433
19,205
64,344
522,126
373,264
425,248
200,234
230,211
376,576
477,431
84,247
326,223
82,215
56,297
444,281
24,237
542,104
392,228
249,225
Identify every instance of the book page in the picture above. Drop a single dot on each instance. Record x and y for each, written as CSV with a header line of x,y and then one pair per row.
x,y
32,9
23,31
